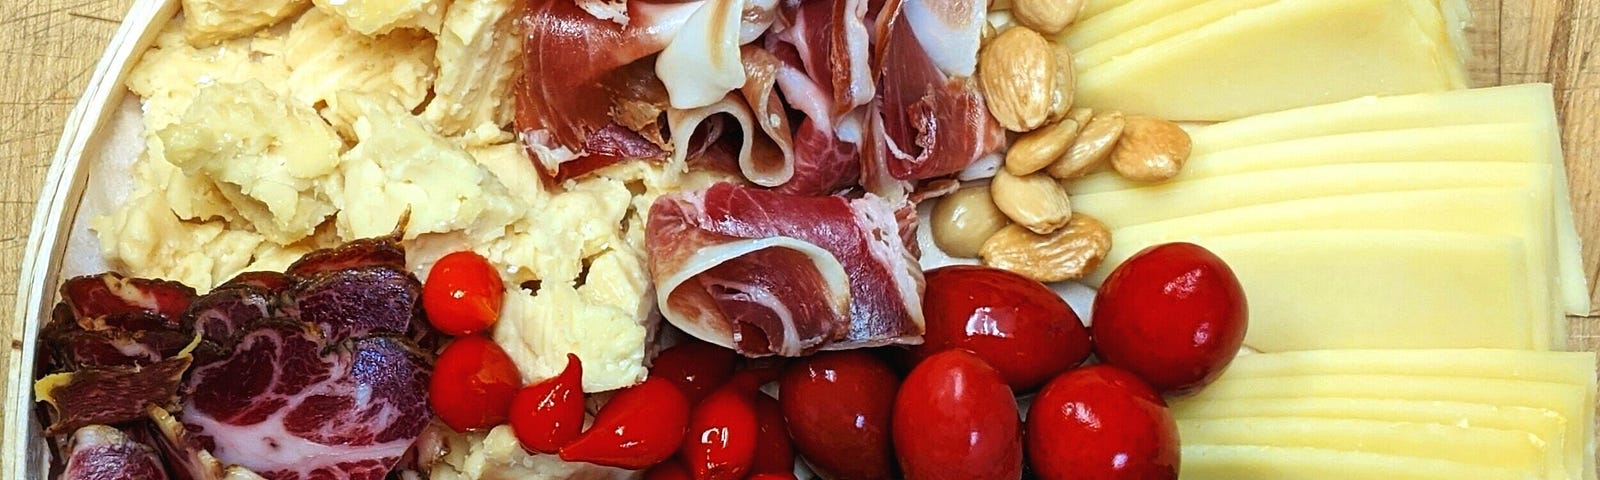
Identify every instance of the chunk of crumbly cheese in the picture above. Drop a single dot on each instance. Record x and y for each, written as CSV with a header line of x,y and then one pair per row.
x,y
172,71
377,17
496,455
325,57
191,198
212,21
604,322
477,57
264,154
144,239
400,166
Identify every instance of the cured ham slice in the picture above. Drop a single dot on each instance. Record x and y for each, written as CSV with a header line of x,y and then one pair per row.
x,y
765,152
832,41
933,124
767,273
109,395
95,297
99,452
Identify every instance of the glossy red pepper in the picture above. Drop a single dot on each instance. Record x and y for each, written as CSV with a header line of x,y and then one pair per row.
x,y
774,451
463,294
641,426
473,384
721,441
696,367
548,415
773,476
955,419
668,470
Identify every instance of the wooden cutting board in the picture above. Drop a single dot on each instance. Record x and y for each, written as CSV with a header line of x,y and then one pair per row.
x,y
48,48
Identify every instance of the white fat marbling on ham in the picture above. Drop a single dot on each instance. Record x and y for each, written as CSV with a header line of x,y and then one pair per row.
x,y
762,159
702,64
950,31
832,42
784,248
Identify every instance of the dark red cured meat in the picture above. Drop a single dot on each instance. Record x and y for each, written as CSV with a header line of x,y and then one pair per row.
x,y
831,39
824,164
99,452
111,348
217,315
286,405
757,328
110,395
862,235
269,281
933,125
367,252
94,297
360,302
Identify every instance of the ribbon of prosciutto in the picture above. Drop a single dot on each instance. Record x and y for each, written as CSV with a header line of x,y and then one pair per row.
x,y
767,273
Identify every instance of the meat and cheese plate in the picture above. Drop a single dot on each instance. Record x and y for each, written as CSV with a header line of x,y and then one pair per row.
x,y
770,239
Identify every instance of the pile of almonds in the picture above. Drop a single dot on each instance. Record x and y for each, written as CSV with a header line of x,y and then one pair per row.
x,y
1023,220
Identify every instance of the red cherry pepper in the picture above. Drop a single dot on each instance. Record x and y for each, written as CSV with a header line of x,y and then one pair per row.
x,y
774,452
695,366
668,470
473,384
548,415
721,441
463,293
641,426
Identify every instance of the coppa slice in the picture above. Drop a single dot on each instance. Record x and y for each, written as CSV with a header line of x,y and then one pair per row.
x,y
1457,443
1520,212
1254,462
1281,56
1178,199
1327,289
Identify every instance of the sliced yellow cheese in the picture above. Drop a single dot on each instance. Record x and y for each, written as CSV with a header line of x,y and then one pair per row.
x,y
1094,27
1281,56
1549,426
1331,289
1092,8
1131,36
1572,368
1180,199
1520,212
1496,142
1489,447
1524,103
1254,462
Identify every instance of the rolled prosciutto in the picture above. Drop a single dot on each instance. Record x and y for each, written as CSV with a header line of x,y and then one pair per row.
x,y
767,273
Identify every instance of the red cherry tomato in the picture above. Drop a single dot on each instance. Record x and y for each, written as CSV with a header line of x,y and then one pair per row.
x,y
463,293
549,414
721,441
473,384
837,406
774,452
695,366
641,426
1173,314
955,418
1101,423
668,470
1017,325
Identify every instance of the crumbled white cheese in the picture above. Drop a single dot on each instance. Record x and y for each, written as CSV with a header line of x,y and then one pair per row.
x,y
212,21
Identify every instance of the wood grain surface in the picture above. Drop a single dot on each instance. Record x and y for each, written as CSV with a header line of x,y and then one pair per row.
x,y
48,48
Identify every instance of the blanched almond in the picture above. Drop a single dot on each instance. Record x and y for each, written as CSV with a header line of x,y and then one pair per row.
x,y
1095,142
1036,201
1151,149
961,221
1068,253
1017,73
1066,85
1039,148
1047,16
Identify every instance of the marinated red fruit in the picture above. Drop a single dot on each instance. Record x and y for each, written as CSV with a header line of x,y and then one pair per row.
x,y
955,418
473,384
548,415
641,426
1174,314
721,441
463,293
774,452
837,406
695,366
1101,423
1017,325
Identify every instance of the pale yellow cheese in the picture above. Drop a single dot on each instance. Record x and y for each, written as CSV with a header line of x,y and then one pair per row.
x,y
1254,462
1496,142
1092,8
210,21
1326,289
1572,402
1100,21
1519,212
478,56
1148,31
1282,56
325,58
1178,199
377,17
1488,447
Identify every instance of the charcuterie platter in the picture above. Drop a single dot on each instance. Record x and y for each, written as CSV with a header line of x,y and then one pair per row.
x,y
727,239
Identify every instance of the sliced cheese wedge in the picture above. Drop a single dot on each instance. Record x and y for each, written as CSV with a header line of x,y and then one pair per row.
x,y
1149,31
1571,402
1281,56
1254,462
1180,199
1093,8
1521,212
1495,142
1488,447
1572,368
